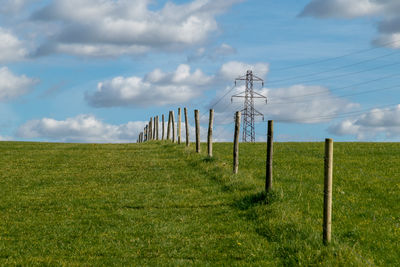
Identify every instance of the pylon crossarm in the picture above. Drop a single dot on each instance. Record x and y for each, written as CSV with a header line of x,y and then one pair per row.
x,y
259,95
239,94
256,78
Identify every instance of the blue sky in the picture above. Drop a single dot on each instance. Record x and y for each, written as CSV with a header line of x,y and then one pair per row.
x,y
97,70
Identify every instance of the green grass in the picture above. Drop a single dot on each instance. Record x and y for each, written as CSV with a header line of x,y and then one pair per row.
x,y
162,204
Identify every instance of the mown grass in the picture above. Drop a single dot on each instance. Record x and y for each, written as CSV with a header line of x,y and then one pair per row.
x,y
162,204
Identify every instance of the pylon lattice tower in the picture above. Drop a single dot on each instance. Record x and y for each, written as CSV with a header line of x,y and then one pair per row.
x,y
249,112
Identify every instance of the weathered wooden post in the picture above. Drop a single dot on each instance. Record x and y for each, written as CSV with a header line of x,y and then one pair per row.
x,y
173,127
169,126
197,123
146,134
154,128
270,151
187,128
236,143
151,129
328,191
179,125
163,128
157,131
210,132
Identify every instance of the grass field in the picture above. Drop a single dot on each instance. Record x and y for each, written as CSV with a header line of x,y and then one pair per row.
x,y
162,204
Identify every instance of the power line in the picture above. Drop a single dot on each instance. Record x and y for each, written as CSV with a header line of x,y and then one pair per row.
x,y
349,74
341,115
332,70
337,57
344,87
326,93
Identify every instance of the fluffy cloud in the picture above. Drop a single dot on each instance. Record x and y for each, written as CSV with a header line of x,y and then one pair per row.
x,y
89,129
6,138
161,88
370,124
13,6
156,88
290,105
11,49
113,28
12,86
342,8
82,128
231,70
386,10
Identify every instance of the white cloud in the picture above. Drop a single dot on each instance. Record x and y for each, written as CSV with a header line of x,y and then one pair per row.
x,y
160,88
293,105
233,69
82,128
13,6
371,124
156,88
11,49
6,138
89,129
289,105
12,86
114,28
342,8
387,11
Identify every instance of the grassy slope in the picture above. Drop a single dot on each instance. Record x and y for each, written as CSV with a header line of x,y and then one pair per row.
x,y
161,204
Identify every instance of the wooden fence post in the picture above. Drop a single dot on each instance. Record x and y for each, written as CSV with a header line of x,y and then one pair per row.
x,y
236,143
173,127
210,132
270,151
163,127
154,128
187,128
169,126
179,125
157,135
151,129
146,134
197,123
328,190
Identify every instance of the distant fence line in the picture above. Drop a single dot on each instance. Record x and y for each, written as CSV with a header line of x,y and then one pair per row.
x,y
151,132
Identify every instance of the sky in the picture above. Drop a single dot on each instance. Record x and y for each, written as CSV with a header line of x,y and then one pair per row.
x,y
97,70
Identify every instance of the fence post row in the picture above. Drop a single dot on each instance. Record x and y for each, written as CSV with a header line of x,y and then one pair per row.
x,y
328,162
187,128
197,126
236,143
270,151
173,127
210,132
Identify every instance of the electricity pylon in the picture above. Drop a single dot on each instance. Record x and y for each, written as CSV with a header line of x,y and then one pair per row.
x,y
249,112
